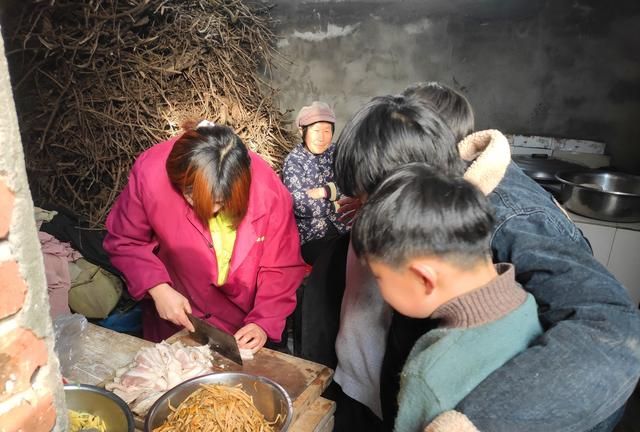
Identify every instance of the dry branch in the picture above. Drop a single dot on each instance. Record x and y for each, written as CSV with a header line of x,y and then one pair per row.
x,y
99,81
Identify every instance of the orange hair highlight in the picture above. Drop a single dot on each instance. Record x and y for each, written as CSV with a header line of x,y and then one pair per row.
x,y
213,165
235,207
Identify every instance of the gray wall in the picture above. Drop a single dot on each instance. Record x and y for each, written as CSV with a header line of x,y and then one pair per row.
x,y
563,68
32,393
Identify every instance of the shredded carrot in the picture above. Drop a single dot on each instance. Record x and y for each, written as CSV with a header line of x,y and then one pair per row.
x,y
217,408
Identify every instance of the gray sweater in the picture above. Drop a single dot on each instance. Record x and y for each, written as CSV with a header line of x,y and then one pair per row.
x,y
364,323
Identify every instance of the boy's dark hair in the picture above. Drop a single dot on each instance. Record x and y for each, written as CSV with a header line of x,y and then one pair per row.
x,y
417,211
452,106
388,132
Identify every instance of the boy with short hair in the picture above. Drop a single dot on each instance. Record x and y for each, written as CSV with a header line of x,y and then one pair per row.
x,y
453,106
426,237
585,366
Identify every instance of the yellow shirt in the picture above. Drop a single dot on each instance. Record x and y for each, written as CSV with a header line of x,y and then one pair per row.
x,y
223,236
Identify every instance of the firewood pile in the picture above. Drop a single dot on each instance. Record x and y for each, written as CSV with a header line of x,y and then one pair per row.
x,y
96,82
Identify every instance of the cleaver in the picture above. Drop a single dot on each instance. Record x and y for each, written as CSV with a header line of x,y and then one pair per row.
x,y
218,340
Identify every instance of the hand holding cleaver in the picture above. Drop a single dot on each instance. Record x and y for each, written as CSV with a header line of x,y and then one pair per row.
x,y
218,340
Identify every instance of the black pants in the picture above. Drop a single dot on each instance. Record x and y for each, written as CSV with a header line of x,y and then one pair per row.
x,y
351,415
317,315
315,248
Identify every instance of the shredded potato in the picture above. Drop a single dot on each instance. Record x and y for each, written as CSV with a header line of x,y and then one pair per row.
x,y
216,408
79,421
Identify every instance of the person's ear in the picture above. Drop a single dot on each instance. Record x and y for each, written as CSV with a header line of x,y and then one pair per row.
x,y
426,274
300,131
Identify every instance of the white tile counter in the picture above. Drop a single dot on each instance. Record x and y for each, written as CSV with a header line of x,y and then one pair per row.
x,y
633,226
617,247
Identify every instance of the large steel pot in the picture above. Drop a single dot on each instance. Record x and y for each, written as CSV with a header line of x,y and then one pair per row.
x,y
602,195
543,169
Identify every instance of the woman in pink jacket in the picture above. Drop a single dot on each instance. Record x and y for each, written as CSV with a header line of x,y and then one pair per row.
x,y
205,226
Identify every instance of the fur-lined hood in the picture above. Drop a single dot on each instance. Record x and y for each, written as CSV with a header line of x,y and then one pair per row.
x,y
489,154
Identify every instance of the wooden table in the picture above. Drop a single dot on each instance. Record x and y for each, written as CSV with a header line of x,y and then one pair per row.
x,y
104,351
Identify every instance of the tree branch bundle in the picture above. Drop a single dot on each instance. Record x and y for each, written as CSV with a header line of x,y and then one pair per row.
x,y
96,82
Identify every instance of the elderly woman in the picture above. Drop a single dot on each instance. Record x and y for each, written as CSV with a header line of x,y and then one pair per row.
x,y
204,226
308,174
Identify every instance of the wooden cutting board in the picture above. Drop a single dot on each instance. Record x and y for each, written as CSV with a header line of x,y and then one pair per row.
x,y
296,375
104,351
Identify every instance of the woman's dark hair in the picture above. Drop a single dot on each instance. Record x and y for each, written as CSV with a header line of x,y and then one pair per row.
x,y
452,106
387,132
417,211
304,129
212,164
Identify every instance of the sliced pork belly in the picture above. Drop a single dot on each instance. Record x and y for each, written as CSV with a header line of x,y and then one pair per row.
x,y
155,370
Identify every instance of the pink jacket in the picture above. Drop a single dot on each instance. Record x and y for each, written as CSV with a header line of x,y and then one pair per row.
x,y
154,237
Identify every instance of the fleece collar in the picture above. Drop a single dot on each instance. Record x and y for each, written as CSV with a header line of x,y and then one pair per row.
x,y
489,154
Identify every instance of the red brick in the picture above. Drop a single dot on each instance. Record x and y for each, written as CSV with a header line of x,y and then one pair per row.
x,y
21,354
30,417
6,208
12,289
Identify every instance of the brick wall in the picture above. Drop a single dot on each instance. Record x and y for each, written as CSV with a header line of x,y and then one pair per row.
x,y
31,394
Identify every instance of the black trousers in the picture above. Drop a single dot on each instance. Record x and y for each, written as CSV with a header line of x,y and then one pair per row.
x,y
351,415
315,248
317,315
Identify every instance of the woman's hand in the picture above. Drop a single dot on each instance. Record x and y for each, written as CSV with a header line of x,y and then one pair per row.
x,y
171,305
251,337
316,193
348,209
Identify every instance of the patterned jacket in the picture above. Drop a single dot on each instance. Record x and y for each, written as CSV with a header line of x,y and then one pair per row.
x,y
302,171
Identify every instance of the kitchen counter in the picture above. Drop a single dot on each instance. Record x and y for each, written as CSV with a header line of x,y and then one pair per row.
x,y
633,226
104,351
617,247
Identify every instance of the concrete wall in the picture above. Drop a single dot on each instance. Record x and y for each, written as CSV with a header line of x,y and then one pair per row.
x,y
563,68
31,392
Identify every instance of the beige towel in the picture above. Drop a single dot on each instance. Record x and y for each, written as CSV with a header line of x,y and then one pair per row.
x,y
451,421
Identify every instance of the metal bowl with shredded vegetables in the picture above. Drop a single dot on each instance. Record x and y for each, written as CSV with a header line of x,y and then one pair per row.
x,y
226,401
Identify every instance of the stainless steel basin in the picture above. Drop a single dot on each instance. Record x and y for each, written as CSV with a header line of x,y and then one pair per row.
x,y
268,397
602,195
102,403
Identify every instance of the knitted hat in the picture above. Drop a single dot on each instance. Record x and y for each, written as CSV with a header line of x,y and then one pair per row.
x,y
317,111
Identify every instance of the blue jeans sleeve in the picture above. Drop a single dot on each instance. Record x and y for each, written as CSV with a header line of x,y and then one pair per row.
x,y
587,363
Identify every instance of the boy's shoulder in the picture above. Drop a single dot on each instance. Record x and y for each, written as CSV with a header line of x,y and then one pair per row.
x,y
456,349
518,194
432,348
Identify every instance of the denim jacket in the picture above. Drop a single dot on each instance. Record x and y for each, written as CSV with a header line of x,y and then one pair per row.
x,y
587,363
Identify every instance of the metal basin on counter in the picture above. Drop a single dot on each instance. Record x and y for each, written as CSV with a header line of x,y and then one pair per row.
x,y
602,195
99,402
268,397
